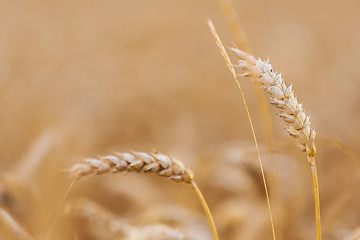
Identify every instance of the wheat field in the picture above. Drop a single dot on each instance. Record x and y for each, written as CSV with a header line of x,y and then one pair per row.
x,y
82,80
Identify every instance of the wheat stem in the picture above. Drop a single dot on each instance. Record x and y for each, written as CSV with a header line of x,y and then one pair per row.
x,y
57,213
206,210
232,70
241,41
7,220
235,26
260,161
317,200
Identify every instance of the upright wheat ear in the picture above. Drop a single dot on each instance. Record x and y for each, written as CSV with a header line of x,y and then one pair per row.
x,y
143,162
292,112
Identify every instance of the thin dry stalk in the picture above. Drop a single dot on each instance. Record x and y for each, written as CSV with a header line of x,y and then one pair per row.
x,y
317,200
142,162
15,227
343,147
292,112
232,70
241,41
36,154
206,210
236,29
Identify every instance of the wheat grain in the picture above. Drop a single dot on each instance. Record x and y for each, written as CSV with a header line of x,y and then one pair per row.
x,y
144,162
283,98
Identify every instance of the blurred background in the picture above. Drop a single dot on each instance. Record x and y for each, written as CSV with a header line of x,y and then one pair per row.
x,y
84,78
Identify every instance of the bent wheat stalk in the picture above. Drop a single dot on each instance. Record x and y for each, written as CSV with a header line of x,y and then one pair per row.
x,y
241,41
232,70
292,112
143,162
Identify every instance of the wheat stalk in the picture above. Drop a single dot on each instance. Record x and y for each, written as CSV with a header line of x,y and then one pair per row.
x,y
144,162
7,220
290,110
241,41
232,70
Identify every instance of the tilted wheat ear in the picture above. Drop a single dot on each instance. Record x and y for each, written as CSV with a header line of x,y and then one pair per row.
x,y
143,162
291,111
283,98
158,163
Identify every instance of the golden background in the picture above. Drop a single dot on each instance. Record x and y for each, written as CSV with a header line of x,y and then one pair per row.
x,y
81,78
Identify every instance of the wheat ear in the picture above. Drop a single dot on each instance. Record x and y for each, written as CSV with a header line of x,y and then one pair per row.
x,y
99,215
144,162
292,112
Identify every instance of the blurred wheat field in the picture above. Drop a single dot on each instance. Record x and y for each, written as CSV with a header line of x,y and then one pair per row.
x,y
80,79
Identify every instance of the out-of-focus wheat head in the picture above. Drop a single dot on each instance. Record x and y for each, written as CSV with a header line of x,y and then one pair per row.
x,y
117,227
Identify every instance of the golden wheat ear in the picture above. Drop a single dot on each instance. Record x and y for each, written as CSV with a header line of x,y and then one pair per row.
x,y
290,110
144,162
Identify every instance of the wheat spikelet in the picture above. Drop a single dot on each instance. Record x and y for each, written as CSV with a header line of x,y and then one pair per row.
x,y
161,164
283,98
